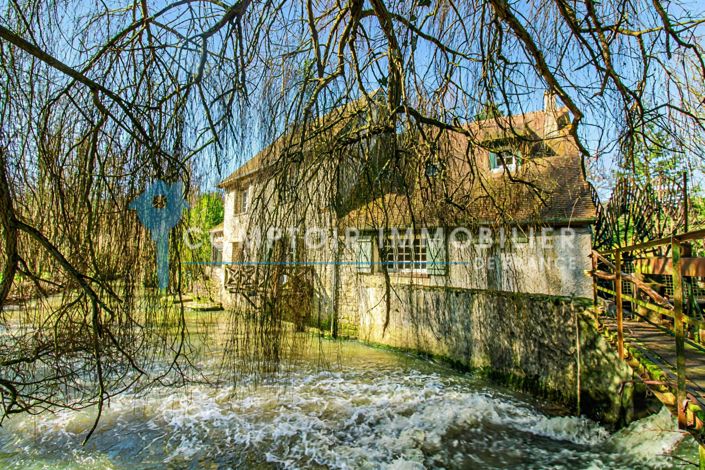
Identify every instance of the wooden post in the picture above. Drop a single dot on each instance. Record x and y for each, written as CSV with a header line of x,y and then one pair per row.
x,y
685,201
679,331
578,382
618,301
593,256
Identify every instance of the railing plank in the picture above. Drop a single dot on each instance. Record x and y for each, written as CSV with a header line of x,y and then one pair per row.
x,y
618,300
679,331
593,259
631,278
694,235
692,267
655,308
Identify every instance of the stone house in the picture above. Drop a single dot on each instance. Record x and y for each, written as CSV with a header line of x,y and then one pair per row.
x,y
502,206
470,245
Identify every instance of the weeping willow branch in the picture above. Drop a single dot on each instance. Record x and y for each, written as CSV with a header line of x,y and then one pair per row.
x,y
7,216
96,103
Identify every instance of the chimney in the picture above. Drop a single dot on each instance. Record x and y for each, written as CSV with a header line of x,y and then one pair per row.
x,y
550,123
549,101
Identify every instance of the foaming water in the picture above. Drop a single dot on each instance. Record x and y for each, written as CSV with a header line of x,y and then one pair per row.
x,y
371,409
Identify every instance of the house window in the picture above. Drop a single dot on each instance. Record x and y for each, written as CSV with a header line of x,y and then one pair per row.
x,y
291,256
405,254
363,255
243,201
236,255
504,158
288,189
217,254
431,169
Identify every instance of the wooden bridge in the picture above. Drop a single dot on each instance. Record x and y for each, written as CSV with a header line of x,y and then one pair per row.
x,y
653,297
258,278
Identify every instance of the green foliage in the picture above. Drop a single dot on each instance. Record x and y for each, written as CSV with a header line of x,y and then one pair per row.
x,y
662,163
655,156
205,213
209,210
651,179
697,204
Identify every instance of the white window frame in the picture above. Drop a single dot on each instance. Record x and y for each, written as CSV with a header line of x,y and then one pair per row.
x,y
416,248
363,255
244,196
500,159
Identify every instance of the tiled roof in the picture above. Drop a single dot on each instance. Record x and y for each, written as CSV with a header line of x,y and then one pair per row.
x,y
549,190
330,122
250,167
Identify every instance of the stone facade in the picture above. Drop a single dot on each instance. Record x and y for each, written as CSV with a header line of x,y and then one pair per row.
x,y
552,262
554,266
540,343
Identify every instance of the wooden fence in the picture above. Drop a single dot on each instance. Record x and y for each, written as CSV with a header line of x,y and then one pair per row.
x,y
649,296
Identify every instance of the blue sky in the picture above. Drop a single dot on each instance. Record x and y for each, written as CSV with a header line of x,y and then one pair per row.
x,y
251,132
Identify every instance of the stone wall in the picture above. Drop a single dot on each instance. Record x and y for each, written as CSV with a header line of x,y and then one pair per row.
x,y
506,315
554,264
528,340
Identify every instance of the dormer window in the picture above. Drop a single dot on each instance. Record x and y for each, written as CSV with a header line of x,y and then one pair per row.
x,y
502,159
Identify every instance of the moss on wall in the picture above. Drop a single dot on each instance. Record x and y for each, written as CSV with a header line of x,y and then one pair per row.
x,y
534,342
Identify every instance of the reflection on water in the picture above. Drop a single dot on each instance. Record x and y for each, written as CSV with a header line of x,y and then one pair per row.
x,y
342,405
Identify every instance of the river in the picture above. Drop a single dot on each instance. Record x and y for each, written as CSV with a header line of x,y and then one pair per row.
x,y
341,405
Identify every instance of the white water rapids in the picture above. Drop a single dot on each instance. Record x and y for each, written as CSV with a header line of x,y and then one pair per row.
x,y
367,408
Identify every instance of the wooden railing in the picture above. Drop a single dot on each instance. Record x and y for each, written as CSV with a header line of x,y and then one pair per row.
x,y
244,278
285,288
253,279
680,309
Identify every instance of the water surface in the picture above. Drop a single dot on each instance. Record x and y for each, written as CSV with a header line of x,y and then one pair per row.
x,y
340,405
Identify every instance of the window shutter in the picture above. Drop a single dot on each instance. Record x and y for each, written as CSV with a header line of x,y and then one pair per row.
x,y
364,255
436,254
493,160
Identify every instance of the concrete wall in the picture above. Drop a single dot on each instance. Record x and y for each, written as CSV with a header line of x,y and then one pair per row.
x,y
525,339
